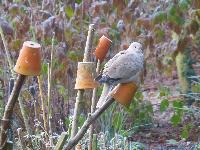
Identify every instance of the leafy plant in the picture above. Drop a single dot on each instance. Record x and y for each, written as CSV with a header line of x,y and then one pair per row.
x,y
178,114
69,11
186,131
140,111
164,91
164,105
165,22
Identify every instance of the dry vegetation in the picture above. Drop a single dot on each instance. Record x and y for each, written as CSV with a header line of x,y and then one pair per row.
x,y
165,109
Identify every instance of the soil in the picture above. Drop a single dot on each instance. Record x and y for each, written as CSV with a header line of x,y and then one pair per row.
x,y
159,135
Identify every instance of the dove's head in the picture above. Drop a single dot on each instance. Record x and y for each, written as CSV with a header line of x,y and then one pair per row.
x,y
135,46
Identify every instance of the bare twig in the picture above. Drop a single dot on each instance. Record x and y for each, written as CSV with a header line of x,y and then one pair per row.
x,y
73,141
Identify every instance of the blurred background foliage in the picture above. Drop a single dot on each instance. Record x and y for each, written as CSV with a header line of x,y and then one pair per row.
x,y
168,30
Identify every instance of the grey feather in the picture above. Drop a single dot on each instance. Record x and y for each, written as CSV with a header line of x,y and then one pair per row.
x,y
125,64
124,67
112,60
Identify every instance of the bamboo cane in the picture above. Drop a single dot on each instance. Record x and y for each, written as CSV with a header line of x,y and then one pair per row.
x,y
94,96
50,66
80,92
49,107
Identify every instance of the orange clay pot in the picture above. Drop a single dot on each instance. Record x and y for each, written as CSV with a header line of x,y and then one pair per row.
x,y
29,60
102,48
85,76
123,93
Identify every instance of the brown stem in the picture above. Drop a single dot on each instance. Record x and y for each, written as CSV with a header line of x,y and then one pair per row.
x,y
42,102
9,109
73,141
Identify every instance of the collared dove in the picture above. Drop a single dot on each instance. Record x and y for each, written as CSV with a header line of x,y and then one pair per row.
x,y
124,67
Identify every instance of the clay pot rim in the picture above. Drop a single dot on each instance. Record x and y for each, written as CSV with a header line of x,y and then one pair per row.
x,y
119,93
89,62
106,38
32,44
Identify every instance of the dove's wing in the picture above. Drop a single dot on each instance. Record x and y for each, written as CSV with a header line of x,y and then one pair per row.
x,y
125,66
110,62
107,65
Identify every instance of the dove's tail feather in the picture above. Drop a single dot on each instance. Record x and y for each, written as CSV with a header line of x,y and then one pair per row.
x,y
106,79
105,93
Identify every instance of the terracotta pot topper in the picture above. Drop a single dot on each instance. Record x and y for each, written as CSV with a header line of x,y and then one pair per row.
x,y
29,60
123,93
102,48
85,76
